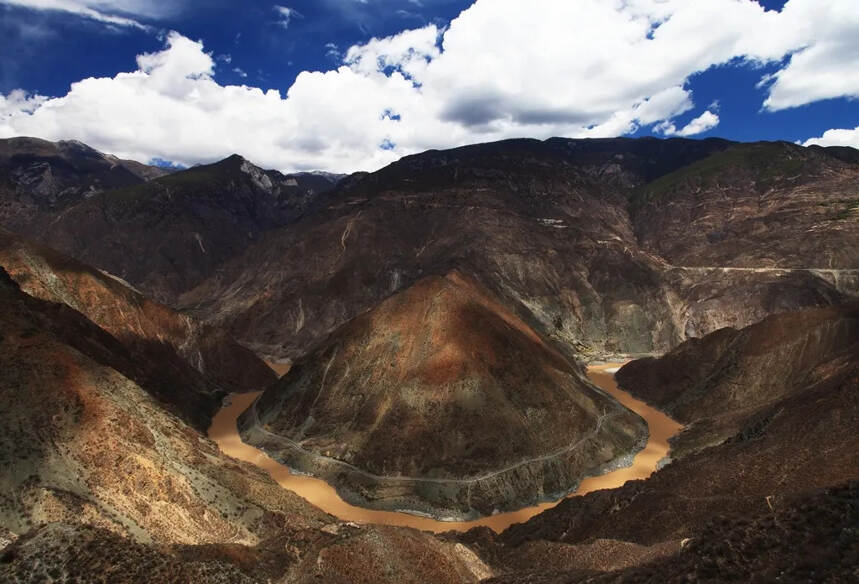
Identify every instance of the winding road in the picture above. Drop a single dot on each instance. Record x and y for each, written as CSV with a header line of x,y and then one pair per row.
x,y
224,433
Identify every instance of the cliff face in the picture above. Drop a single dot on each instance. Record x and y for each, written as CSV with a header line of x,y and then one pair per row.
x,y
162,342
440,400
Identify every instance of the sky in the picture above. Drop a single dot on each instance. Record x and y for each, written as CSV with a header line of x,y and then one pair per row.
x,y
348,85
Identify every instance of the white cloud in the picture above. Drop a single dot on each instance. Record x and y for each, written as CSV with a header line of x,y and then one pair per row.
x,y
706,121
836,137
410,52
332,51
828,64
503,68
114,12
240,72
285,15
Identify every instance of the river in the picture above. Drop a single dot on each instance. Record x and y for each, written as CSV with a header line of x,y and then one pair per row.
x,y
224,433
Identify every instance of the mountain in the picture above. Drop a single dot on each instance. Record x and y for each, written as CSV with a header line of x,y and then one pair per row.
x,y
550,228
438,313
163,232
727,383
782,544
167,235
165,345
85,440
769,412
40,179
442,401
736,207
586,239
105,484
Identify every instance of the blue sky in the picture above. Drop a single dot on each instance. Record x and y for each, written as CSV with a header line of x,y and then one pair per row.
x,y
219,77
45,51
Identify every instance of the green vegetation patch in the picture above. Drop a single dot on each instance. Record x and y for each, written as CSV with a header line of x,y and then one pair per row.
x,y
765,162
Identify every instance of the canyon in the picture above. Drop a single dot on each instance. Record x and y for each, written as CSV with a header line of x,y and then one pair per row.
x,y
445,332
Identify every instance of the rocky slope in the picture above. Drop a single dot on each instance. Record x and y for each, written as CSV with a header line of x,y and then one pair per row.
x,y
339,554
41,179
811,539
166,346
112,487
727,384
167,235
570,232
442,401
545,225
761,461
768,204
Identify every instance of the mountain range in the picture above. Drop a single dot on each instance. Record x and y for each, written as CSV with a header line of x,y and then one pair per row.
x,y
436,318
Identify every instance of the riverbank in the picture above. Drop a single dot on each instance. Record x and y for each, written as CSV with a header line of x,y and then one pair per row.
x,y
224,433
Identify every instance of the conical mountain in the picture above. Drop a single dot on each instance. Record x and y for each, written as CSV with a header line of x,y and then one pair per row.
x,y
442,401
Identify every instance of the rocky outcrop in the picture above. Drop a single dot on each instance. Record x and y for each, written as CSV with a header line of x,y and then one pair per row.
x,y
442,401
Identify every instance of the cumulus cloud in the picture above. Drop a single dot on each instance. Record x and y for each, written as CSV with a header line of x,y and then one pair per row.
x,y
836,137
706,121
115,12
827,65
503,68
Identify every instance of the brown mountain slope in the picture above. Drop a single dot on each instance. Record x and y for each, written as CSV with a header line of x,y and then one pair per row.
x,y
155,335
342,554
545,225
82,442
811,539
143,497
718,383
41,179
795,439
441,400
769,204
168,234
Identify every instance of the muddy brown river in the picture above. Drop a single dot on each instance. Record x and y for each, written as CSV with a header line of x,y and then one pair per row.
x,y
224,433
